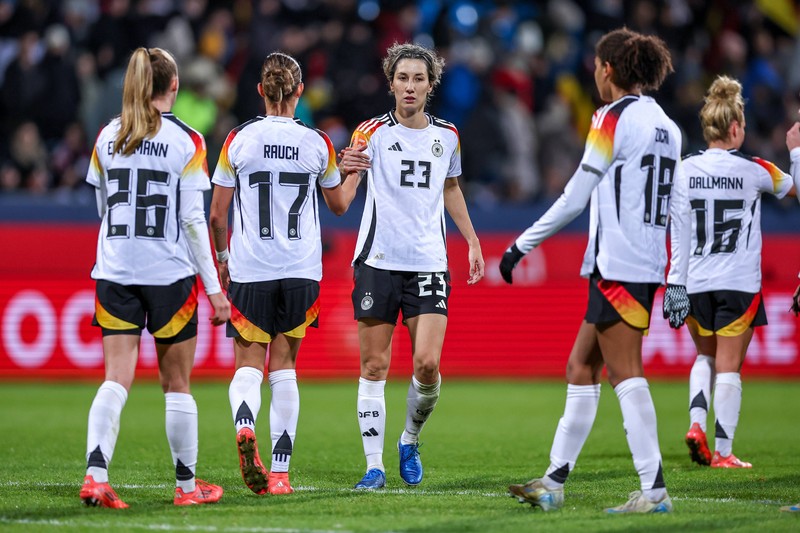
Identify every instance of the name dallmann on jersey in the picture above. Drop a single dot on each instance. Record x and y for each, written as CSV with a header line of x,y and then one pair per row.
x,y
146,148
279,151
716,182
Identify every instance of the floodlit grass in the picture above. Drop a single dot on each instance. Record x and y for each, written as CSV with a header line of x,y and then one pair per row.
x,y
483,436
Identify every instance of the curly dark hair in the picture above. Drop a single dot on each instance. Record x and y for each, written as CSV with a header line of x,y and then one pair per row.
x,y
637,59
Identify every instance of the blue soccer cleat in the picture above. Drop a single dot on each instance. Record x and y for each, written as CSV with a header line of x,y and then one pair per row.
x,y
373,479
410,464
791,508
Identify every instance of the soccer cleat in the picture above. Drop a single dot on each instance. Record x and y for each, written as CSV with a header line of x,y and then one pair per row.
x,y
253,472
278,483
373,479
637,503
410,464
698,445
96,494
730,461
791,508
203,493
535,493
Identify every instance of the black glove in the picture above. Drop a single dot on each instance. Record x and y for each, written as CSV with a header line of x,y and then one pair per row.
x,y
509,261
796,301
676,305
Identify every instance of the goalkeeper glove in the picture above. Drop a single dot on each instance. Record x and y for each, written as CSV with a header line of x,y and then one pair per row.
x,y
676,305
509,261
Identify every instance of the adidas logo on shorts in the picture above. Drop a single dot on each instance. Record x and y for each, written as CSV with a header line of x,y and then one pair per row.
x,y
441,305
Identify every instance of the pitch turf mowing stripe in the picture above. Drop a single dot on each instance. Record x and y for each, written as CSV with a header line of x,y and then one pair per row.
x,y
411,491
162,527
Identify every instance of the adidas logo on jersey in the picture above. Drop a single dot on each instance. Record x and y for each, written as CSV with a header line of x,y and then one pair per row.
x,y
395,147
371,432
441,305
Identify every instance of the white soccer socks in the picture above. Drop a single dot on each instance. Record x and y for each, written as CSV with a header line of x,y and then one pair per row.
x,y
420,402
701,378
181,422
371,405
727,404
571,434
101,436
244,394
639,419
284,409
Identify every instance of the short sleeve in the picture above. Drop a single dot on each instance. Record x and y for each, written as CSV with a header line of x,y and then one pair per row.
x,y
329,177
195,172
225,174
774,180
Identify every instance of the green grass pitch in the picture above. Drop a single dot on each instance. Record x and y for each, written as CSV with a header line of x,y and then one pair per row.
x,y
483,436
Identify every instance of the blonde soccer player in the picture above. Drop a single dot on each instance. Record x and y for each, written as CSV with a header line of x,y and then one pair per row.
x,y
149,170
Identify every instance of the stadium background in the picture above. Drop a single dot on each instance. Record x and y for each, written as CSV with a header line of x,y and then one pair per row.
x,y
518,85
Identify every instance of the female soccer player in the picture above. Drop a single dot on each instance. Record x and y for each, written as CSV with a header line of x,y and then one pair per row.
x,y
149,169
716,259
272,164
412,162
627,169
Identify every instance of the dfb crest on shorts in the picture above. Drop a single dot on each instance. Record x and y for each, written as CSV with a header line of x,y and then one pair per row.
x,y
366,302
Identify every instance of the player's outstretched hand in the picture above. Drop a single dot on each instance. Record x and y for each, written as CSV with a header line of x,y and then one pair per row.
x,y
676,305
509,261
796,301
222,308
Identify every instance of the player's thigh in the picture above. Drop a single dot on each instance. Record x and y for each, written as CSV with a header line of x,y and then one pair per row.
x,y
732,350
585,362
249,354
621,345
283,351
121,352
427,338
375,346
175,361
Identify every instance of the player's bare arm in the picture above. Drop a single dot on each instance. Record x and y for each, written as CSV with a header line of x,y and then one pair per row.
x,y
457,207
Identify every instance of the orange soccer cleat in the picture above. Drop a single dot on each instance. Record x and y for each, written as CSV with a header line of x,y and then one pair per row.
x,y
279,483
253,471
96,494
730,461
698,445
203,493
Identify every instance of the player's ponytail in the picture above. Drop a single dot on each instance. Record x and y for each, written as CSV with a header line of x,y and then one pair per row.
x,y
280,77
723,105
149,74
637,59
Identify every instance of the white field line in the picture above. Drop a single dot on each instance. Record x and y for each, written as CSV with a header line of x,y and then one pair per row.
x,y
411,491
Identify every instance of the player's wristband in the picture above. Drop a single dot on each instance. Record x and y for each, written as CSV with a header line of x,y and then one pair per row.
x,y
223,256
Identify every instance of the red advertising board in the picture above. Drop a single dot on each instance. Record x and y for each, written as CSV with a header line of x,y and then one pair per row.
x,y
494,330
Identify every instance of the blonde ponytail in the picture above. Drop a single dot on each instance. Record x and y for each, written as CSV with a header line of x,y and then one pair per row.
x,y
149,74
723,105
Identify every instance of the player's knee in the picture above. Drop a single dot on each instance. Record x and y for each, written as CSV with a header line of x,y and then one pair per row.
x,y
374,370
427,369
580,374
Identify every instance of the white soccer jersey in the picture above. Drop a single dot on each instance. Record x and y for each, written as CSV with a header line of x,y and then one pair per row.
x,y
403,225
274,164
627,169
716,220
141,241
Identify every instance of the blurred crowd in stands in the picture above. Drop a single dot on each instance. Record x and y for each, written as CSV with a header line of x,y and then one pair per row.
x,y
518,82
